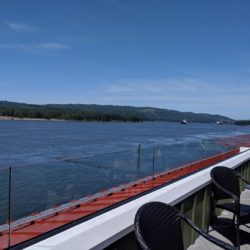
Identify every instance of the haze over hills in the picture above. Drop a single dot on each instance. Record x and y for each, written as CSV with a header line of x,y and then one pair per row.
x,y
93,112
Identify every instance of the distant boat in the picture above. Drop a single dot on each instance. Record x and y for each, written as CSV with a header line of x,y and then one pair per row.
x,y
219,123
183,121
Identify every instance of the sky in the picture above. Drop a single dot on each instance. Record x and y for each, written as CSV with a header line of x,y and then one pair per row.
x,y
189,55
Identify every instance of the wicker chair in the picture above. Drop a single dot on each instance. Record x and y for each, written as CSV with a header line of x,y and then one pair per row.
x,y
227,186
158,226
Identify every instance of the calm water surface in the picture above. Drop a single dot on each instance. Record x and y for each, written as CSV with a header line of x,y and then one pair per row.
x,y
55,162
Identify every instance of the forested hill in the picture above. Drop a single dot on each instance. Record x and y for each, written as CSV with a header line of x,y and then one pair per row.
x,y
242,122
94,112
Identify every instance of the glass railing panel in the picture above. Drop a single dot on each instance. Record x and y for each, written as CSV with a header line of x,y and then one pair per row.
x,y
4,207
167,157
49,189
146,158
108,169
49,195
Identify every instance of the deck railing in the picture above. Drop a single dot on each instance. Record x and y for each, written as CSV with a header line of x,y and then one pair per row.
x,y
196,205
114,228
44,223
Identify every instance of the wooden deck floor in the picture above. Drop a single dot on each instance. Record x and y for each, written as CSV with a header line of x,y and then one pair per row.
x,y
226,234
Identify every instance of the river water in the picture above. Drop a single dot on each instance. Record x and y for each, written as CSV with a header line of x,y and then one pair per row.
x,y
54,162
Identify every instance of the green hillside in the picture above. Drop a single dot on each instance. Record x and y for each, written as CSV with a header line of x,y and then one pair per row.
x,y
243,122
94,112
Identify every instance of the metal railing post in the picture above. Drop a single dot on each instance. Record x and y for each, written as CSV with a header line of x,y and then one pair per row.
x,y
153,167
9,204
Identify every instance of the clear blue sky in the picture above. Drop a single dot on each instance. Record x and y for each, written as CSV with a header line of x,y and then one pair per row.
x,y
183,55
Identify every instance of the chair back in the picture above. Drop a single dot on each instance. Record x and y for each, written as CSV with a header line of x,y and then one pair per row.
x,y
158,226
228,179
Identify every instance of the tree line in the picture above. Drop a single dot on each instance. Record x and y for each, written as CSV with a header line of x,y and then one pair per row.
x,y
65,115
242,122
94,112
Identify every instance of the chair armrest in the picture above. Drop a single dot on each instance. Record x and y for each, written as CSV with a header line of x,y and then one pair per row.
x,y
212,239
244,179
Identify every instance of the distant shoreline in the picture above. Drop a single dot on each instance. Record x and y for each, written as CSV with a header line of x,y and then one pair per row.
x,y
105,113
10,118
